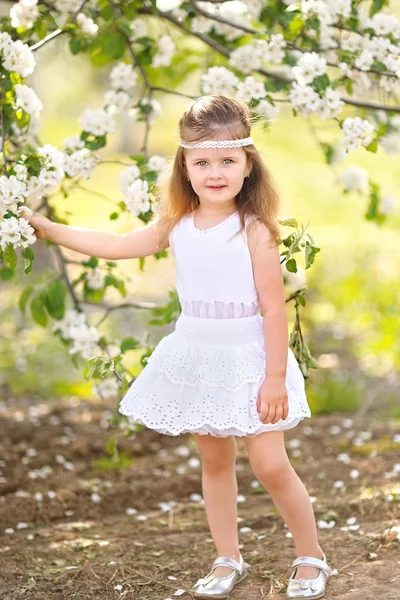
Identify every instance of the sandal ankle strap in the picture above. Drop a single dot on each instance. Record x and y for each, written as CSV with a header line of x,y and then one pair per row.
x,y
310,561
225,561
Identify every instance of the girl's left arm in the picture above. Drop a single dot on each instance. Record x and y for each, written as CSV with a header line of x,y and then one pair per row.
x,y
272,402
271,293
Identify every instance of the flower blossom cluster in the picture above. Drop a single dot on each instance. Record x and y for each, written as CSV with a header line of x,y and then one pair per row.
x,y
16,56
202,24
357,132
253,56
24,14
74,328
136,190
78,160
306,101
166,49
17,232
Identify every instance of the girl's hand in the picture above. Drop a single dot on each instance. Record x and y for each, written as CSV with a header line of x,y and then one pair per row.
x,y
272,400
40,223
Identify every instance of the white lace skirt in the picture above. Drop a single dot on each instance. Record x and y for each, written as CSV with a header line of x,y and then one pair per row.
x,y
204,378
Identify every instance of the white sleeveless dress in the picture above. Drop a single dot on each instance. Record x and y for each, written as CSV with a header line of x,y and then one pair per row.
x,y
205,376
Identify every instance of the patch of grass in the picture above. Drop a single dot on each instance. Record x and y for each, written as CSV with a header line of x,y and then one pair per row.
x,y
333,392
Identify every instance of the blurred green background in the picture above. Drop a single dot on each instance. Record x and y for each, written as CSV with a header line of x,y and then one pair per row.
x,y
352,317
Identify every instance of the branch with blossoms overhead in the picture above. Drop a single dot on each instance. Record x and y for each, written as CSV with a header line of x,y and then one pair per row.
x,y
319,57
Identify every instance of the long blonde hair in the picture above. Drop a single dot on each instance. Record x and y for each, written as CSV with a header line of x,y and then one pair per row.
x,y
205,118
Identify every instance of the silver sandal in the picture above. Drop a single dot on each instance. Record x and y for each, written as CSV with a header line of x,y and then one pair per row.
x,y
220,587
308,588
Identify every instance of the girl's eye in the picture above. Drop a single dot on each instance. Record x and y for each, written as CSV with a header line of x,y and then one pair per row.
x,y
203,161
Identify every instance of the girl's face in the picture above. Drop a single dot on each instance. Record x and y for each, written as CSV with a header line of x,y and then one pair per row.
x,y
216,174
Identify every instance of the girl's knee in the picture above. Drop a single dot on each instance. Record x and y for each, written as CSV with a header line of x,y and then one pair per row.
x,y
216,453
271,472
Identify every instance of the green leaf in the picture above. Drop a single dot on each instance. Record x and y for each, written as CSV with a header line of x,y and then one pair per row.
x,y
310,252
55,299
10,256
6,273
288,222
92,364
113,216
29,255
373,146
321,82
75,45
291,265
129,343
377,5
38,311
24,297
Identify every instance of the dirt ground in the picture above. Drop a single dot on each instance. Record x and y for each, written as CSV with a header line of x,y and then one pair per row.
x,y
65,531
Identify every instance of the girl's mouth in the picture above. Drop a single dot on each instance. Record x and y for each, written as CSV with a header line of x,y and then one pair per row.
x,y
216,187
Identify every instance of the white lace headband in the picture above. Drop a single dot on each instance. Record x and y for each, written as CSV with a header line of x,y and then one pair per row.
x,y
217,143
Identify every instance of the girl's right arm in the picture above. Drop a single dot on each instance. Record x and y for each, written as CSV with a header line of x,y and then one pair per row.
x,y
143,241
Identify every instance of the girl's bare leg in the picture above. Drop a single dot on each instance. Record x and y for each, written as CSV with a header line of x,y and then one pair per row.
x,y
271,466
218,458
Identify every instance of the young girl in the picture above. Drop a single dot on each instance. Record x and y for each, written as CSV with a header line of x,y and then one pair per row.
x,y
226,370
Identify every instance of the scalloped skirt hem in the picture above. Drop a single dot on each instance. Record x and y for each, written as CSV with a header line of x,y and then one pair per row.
x,y
213,430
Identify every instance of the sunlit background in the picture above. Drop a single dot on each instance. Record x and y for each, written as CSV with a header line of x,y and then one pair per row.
x,y
352,317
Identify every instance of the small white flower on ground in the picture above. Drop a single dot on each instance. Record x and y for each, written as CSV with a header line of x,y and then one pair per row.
x,y
241,498
179,592
255,484
325,524
351,520
118,587
95,497
22,525
196,497
194,463
245,529
38,496
182,451
339,485
172,578
354,474
9,530
141,518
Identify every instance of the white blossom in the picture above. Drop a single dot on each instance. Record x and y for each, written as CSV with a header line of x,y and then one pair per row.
x,y
390,143
108,388
24,14
95,280
123,77
156,163
388,204
356,132
139,29
67,6
249,89
80,163
27,99
128,176
166,49
97,121
354,178
18,57
116,102
12,191
73,143
17,232
137,197
152,109
310,66
219,80
167,5
384,24
74,327
87,24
